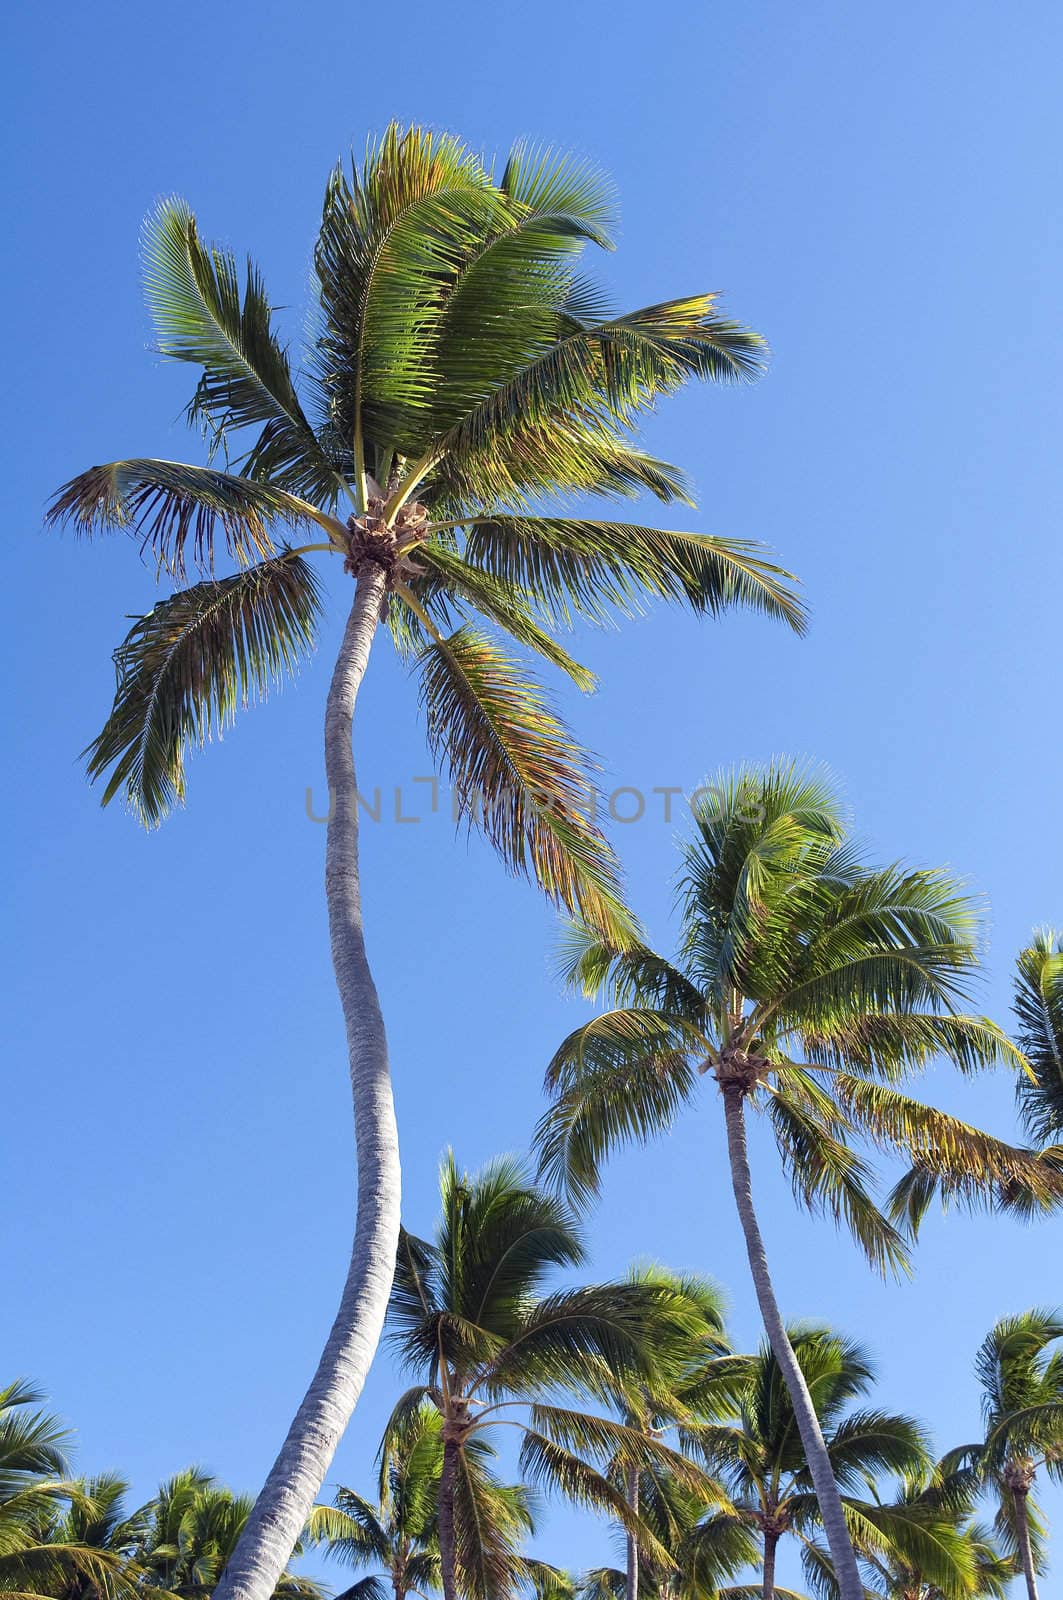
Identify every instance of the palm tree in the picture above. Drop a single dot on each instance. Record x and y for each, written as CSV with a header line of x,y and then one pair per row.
x,y
187,1535
398,1534
96,1519
470,1313
806,986
462,378
935,1549
702,1385
1021,1376
1039,1008
762,1459
40,1550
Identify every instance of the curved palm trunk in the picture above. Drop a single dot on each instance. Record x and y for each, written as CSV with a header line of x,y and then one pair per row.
x,y
296,1476
1022,1532
448,1479
767,1583
830,1504
632,1543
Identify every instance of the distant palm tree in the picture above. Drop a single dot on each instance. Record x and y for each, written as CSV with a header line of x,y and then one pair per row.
x,y
40,1551
935,1549
189,1531
463,383
762,1459
1020,1369
807,985
1039,1009
470,1311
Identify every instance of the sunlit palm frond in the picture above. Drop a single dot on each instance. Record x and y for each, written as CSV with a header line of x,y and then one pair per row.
x,y
519,776
1038,1007
201,316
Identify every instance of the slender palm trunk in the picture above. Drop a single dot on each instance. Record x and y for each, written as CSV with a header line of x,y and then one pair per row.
x,y
296,1476
767,1582
632,1543
1022,1533
830,1504
448,1480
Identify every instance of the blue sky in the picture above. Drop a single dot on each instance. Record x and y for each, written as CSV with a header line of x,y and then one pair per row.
x,y
873,187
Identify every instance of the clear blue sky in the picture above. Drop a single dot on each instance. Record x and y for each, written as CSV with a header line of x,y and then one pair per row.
x,y
876,189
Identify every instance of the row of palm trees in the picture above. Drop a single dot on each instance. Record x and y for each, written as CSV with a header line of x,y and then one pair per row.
x,y
463,382
626,1398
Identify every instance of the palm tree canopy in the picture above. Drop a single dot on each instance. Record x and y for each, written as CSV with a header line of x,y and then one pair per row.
x,y
820,982
496,1344
463,381
1039,1010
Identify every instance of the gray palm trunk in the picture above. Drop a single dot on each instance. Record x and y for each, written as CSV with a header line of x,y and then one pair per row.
x,y
1022,1533
767,1584
282,1508
632,1542
830,1503
447,1545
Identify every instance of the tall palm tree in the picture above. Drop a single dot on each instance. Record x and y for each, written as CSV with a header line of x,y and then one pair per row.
x,y
762,1458
471,1313
1020,1370
462,379
806,986
1039,1008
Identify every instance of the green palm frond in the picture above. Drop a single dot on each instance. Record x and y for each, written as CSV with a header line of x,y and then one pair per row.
x,y
828,1176
599,570
491,1521
546,1463
186,667
1038,1007
201,316
632,1093
171,507
519,776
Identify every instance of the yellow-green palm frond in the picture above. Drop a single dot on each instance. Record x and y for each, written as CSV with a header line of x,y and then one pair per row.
x,y
597,570
519,776
1038,1007
176,510
186,667
201,316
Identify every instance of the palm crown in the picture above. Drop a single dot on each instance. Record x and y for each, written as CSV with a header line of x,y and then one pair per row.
x,y
808,979
471,1312
460,370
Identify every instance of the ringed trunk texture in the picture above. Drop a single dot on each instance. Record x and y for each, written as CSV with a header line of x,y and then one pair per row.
x,y
448,1479
771,1544
1022,1529
294,1480
830,1504
632,1543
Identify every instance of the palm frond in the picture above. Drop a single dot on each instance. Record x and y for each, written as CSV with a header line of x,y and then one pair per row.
x,y
599,570
201,316
186,667
172,507
1038,1007
518,775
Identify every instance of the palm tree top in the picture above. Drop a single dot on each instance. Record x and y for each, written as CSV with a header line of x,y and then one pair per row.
x,y
810,980
1038,1006
463,382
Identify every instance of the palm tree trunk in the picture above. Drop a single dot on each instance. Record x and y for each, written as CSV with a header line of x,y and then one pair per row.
x,y
767,1584
448,1479
830,1504
1022,1533
296,1476
632,1543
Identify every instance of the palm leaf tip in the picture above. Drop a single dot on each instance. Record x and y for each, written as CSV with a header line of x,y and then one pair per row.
x,y
185,669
